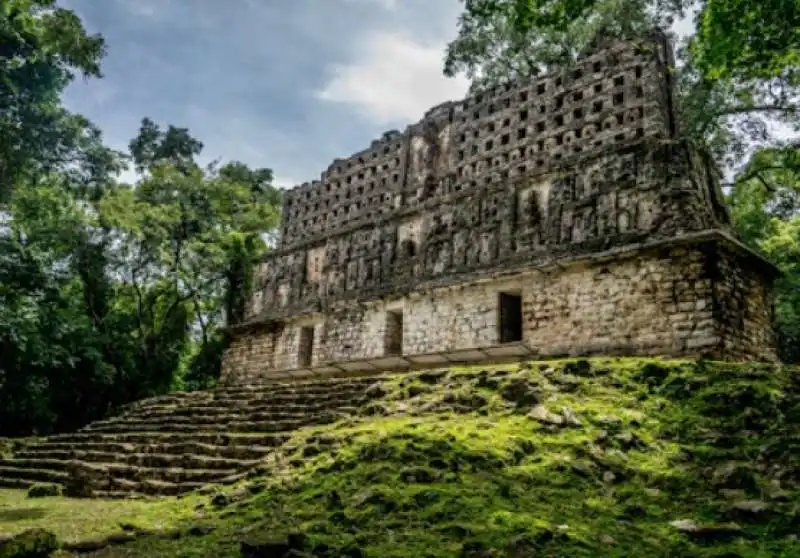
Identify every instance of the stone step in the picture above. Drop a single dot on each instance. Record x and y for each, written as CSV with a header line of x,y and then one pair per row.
x,y
174,398
243,406
152,437
303,384
269,407
187,461
168,474
100,473
98,451
277,390
188,428
35,463
118,495
256,400
218,419
291,394
150,487
37,475
6,482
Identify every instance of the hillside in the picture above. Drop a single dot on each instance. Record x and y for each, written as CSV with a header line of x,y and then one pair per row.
x,y
573,458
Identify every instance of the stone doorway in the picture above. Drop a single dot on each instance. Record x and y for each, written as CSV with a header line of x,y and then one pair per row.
x,y
510,317
305,350
393,340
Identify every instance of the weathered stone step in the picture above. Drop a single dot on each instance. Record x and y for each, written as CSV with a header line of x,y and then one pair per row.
x,y
217,419
6,482
37,475
150,487
35,463
302,384
280,391
227,438
166,474
174,398
268,407
256,400
243,406
187,461
188,428
118,495
98,451
291,391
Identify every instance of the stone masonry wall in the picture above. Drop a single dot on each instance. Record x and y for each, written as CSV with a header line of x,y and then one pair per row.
x,y
250,355
642,191
616,94
659,305
680,301
744,308
521,182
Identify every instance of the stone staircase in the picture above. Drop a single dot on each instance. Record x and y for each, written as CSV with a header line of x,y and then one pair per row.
x,y
179,442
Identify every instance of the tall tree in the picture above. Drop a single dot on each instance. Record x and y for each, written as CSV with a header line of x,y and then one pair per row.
x,y
765,204
42,48
173,145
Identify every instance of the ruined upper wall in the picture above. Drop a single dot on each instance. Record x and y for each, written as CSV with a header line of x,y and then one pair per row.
x,y
563,167
614,96
647,191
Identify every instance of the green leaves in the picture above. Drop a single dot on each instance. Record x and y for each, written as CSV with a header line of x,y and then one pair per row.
x,y
500,40
42,47
765,206
748,39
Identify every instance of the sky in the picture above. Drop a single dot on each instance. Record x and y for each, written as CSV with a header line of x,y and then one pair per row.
x,y
284,84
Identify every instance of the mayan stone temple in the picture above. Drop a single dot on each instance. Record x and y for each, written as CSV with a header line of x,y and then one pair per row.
x,y
561,215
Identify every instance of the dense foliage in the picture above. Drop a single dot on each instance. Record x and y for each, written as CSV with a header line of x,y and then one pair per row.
x,y
108,292
738,80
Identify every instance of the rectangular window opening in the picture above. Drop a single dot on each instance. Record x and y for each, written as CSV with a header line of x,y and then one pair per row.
x,y
510,317
306,346
393,342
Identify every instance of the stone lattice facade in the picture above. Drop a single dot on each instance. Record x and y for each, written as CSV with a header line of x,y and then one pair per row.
x,y
562,214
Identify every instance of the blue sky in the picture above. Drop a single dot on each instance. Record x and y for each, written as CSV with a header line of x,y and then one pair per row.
x,y
284,84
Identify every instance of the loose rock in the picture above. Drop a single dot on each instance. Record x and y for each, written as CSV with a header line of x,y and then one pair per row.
x,y
541,414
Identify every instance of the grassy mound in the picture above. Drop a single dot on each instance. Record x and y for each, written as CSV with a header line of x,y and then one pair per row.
x,y
571,458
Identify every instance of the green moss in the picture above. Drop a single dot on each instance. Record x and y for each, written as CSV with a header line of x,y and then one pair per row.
x,y
73,520
33,543
44,490
647,457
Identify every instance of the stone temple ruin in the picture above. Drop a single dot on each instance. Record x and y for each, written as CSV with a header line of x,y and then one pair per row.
x,y
561,215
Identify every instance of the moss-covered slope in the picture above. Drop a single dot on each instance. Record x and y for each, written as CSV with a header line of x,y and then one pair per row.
x,y
578,458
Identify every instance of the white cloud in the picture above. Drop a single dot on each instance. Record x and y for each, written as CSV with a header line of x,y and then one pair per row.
x,y
285,182
387,4
395,79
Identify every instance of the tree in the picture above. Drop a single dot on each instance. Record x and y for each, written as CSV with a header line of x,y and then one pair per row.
x,y
108,292
52,372
748,39
500,40
42,48
153,145
765,205
187,239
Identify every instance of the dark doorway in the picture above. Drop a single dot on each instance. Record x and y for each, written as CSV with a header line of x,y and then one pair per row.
x,y
393,342
510,308
306,346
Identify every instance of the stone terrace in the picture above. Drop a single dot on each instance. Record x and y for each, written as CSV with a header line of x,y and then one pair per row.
x,y
182,441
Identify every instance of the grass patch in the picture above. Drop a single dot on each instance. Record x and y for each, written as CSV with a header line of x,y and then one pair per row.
x,y
73,520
